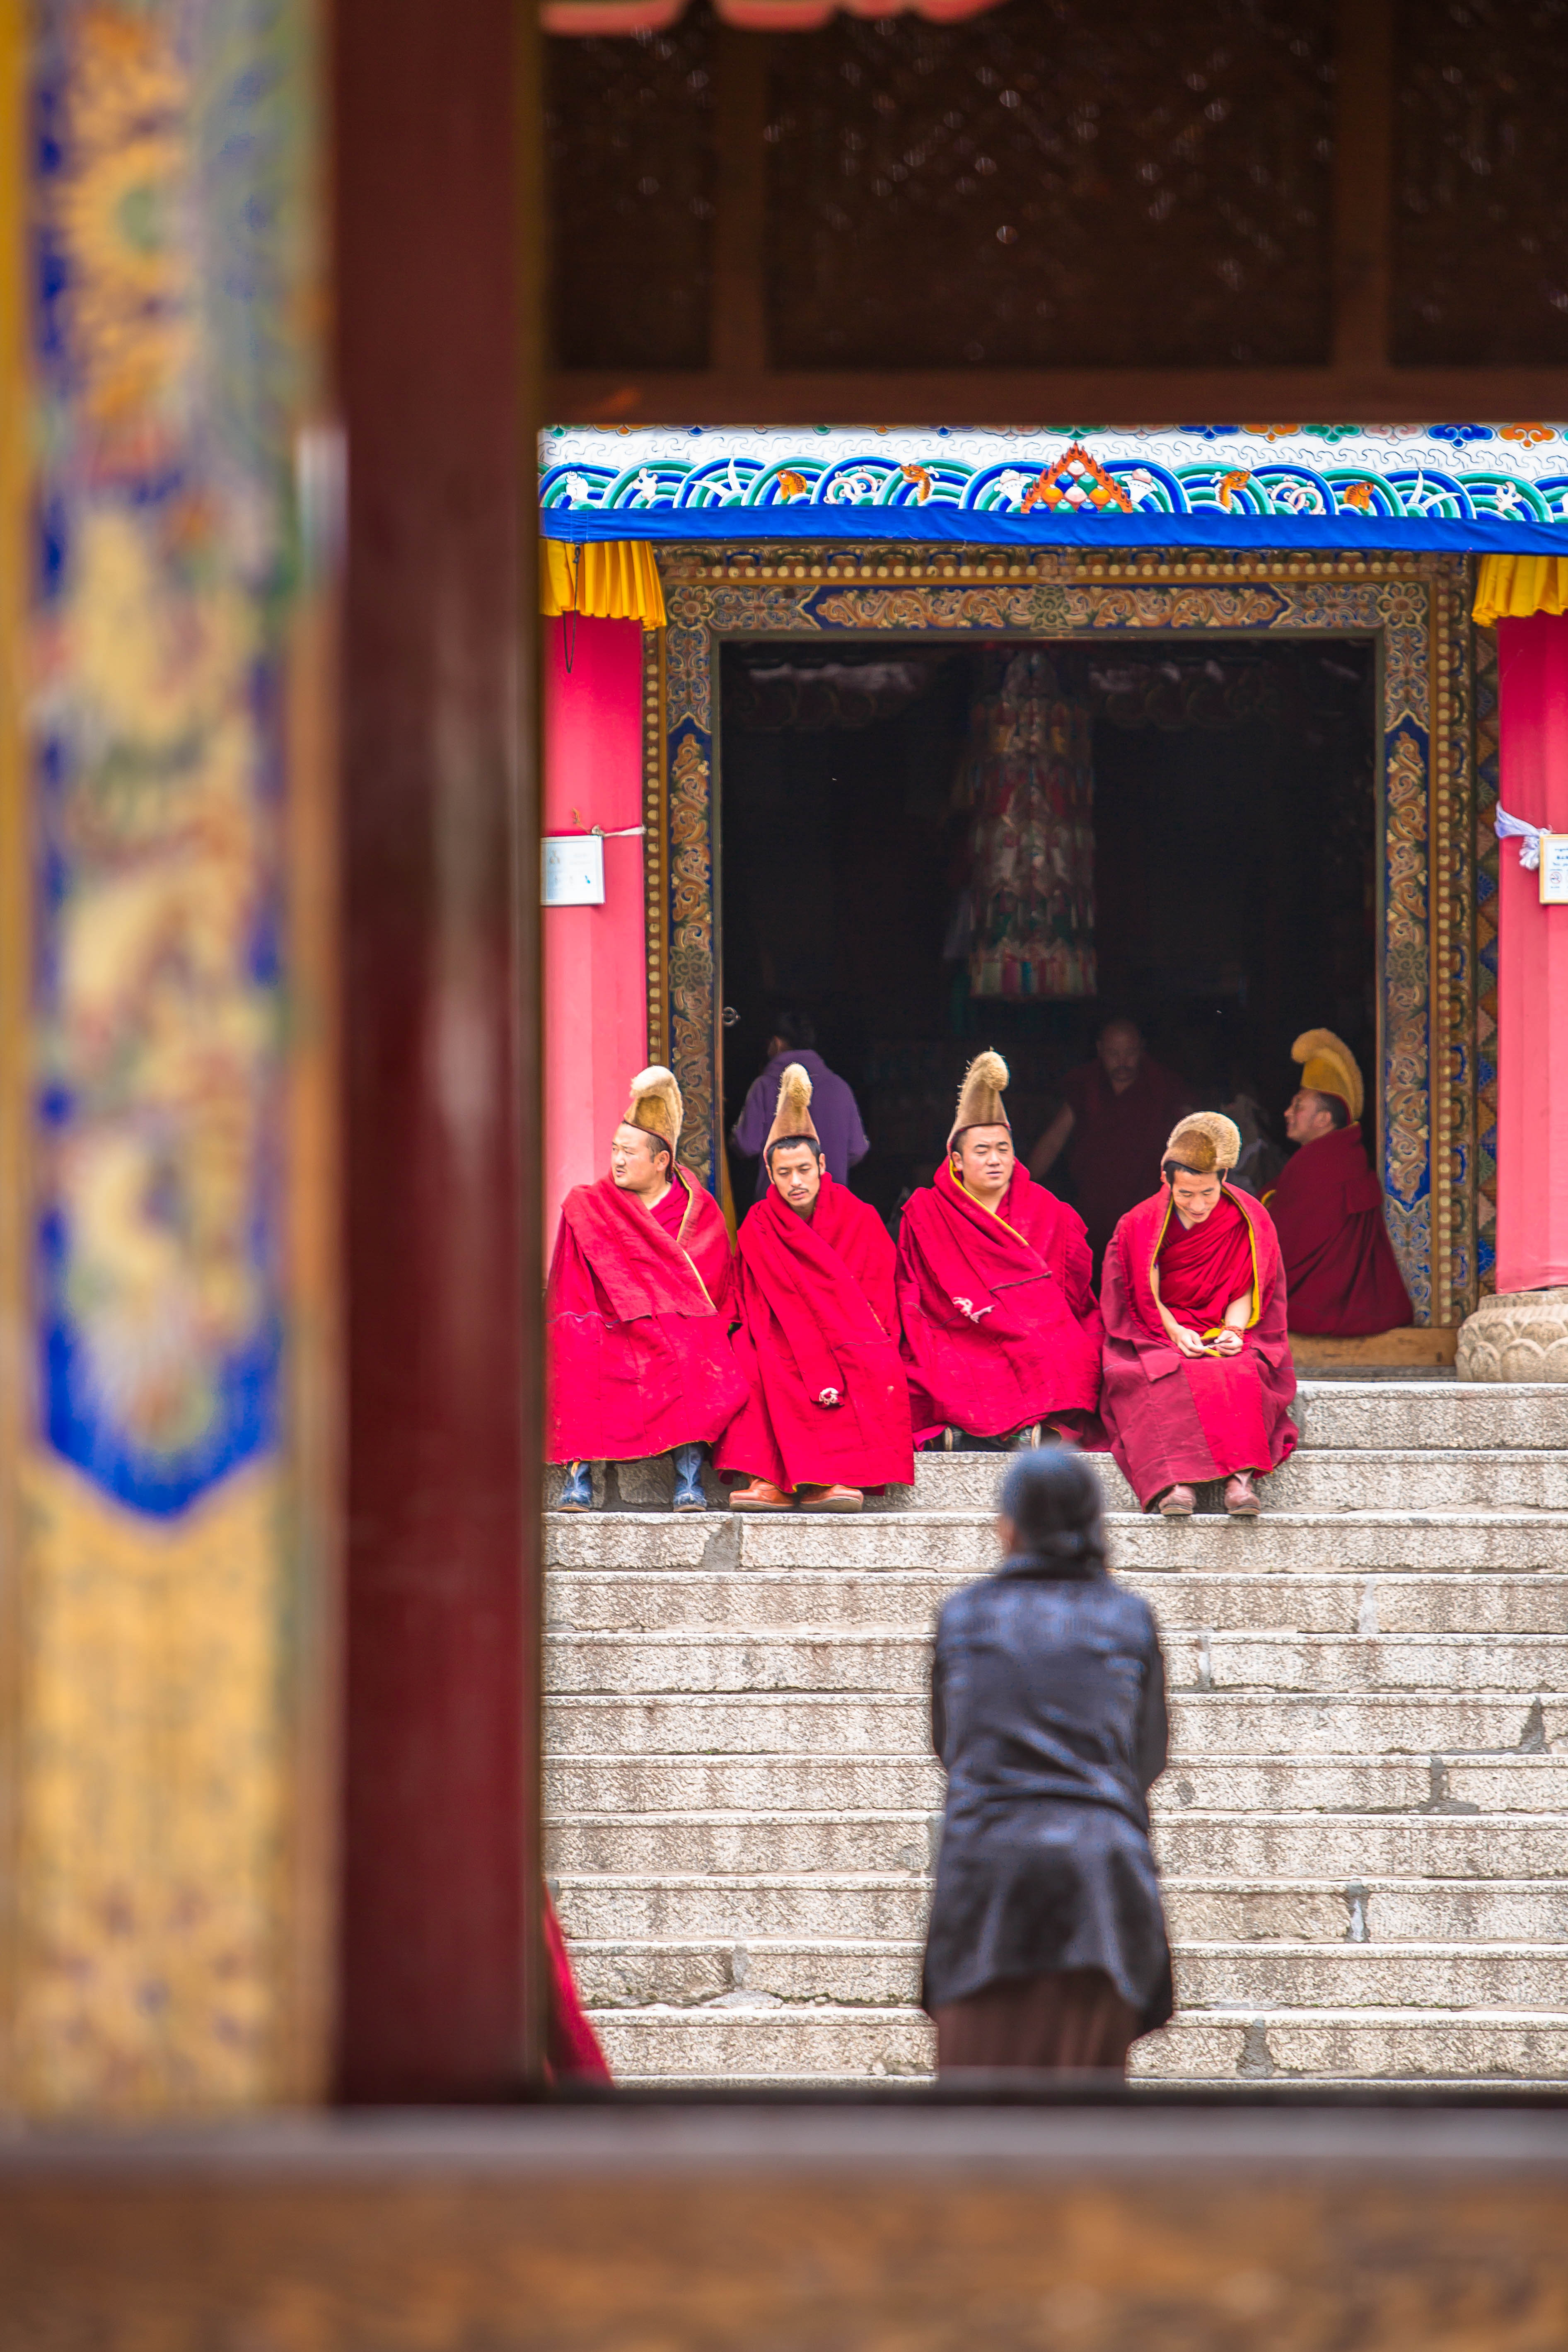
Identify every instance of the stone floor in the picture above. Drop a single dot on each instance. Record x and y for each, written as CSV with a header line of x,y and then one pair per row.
x,y
1363,1829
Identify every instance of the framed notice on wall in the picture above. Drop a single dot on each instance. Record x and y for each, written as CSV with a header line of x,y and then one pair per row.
x,y
574,870
1554,869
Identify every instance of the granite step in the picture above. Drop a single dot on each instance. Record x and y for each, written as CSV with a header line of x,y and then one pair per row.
x,y
962,1542
768,1602
891,1906
759,2046
1188,1843
1203,1722
888,1661
626,1788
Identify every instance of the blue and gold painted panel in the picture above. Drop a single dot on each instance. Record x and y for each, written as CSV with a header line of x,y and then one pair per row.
x,y
167,1504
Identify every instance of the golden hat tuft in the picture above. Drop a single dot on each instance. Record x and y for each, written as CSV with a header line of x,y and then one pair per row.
x,y
655,1106
792,1115
980,1096
1328,1067
1203,1141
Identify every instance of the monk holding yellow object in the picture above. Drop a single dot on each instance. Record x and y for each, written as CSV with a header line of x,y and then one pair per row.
x,y
1198,1376
1341,1272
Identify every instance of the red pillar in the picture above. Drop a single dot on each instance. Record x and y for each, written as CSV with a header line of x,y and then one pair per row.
x,y
595,958
441,1126
1532,962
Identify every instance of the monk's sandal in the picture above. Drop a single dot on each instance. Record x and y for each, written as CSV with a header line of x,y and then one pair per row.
x,y
1178,1503
1241,1498
831,1498
762,1494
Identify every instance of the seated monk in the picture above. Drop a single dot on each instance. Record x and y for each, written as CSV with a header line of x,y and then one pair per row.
x,y
1001,1333
1199,1375
827,1411
1341,1278
638,1310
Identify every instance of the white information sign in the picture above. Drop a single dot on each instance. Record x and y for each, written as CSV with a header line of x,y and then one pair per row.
x,y
1554,869
574,870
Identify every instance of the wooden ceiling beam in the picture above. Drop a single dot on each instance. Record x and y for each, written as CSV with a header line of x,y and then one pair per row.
x,y
1066,397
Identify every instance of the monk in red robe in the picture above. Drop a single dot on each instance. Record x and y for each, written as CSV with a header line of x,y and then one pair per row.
x,y
639,1309
1199,1375
827,1413
1341,1277
1001,1333
1116,1113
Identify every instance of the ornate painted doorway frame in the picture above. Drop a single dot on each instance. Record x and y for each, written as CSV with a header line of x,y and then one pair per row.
x,y
1434,1074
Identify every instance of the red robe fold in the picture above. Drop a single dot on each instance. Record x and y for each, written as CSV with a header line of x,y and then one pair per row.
x,y
1176,1418
1341,1278
999,1323
819,1317
636,1324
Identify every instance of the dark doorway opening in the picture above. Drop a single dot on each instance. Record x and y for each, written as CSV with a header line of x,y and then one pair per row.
x,y
1234,871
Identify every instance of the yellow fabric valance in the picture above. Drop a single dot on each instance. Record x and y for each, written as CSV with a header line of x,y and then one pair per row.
x,y
604,580
1512,587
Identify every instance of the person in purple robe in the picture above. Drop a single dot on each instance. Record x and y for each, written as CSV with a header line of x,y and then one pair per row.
x,y
834,1109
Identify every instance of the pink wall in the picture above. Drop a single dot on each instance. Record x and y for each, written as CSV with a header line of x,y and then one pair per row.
x,y
596,986
1532,962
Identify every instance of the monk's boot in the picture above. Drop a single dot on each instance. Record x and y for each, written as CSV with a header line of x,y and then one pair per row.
x,y
1242,1499
831,1498
688,1494
762,1494
1178,1503
577,1495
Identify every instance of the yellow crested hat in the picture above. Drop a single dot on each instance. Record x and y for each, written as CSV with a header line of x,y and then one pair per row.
x,y
1328,1067
1203,1141
980,1096
792,1115
655,1106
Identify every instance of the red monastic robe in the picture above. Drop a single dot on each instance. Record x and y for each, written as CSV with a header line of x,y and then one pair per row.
x,y
636,1324
572,2051
1341,1278
999,1323
1176,1418
1118,1141
818,1316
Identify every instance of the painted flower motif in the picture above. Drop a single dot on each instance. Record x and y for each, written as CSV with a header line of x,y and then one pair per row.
x,y
1333,433
1272,432
1458,435
1530,435
1214,432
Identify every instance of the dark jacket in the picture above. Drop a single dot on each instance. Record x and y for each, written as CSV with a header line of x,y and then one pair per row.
x,y
1049,1711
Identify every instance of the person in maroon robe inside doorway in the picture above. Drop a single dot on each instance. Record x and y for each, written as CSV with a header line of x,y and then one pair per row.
x,y
1199,1375
827,1408
638,1310
1001,1333
1116,1114
1341,1274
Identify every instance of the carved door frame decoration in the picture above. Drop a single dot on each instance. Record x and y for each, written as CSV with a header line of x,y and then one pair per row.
x,y
1413,606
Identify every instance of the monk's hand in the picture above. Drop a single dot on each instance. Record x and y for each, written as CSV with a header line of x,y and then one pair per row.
x,y
1191,1343
828,1396
1229,1341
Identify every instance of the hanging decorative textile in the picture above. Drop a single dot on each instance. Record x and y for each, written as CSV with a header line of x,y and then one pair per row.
x,y
608,579
1029,779
1512,587
750,16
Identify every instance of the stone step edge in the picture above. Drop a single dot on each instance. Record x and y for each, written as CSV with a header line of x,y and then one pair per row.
x,y
852,1637
1246,2013
855,1881
973,1515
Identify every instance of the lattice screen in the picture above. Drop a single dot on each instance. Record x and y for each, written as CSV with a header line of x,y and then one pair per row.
x,y
1480,252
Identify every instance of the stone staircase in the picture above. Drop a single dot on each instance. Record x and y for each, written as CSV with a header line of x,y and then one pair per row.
x,y
1363,1829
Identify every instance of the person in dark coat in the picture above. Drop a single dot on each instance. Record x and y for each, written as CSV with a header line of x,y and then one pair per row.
x,y
1046,1944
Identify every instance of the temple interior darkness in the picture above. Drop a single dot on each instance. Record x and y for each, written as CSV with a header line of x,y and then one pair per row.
x,y
1234,877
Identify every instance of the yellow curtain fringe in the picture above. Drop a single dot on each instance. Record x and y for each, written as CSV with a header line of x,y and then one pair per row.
x,y
1512,587
605,580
